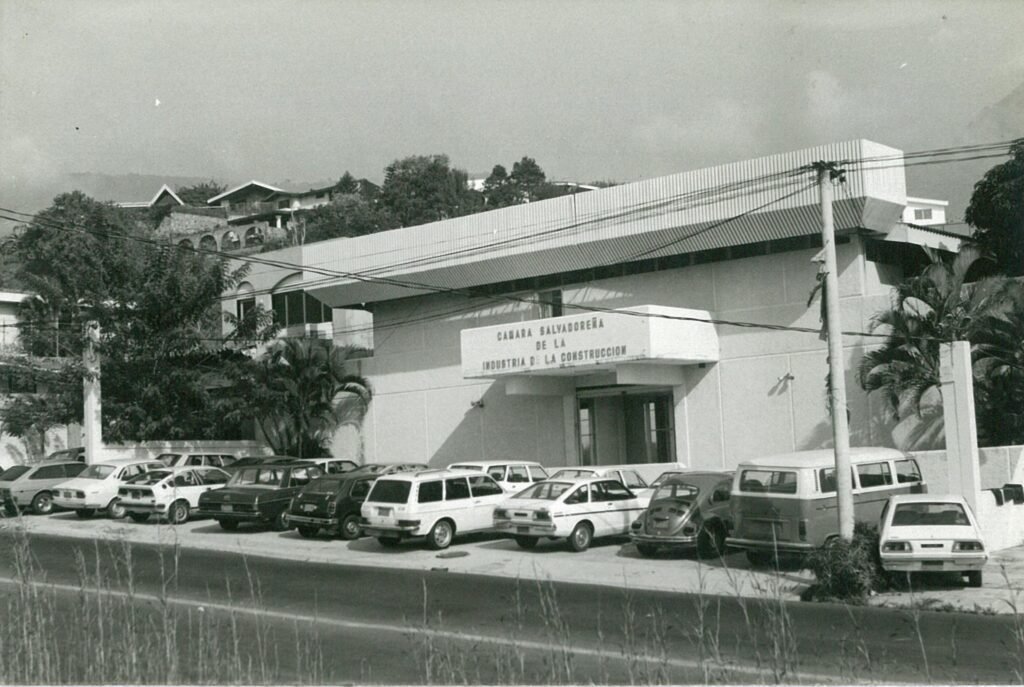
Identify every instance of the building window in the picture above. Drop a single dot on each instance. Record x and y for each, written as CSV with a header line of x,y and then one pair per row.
x,y
922,213
243,306
587,434
298,307
550,303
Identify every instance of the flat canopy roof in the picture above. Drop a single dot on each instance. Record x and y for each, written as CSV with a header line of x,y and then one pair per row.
x,y
768,198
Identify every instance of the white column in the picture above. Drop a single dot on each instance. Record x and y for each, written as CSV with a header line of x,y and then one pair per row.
x,y
957,385
93,410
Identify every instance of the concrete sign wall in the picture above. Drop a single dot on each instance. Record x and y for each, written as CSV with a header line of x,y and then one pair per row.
x,y
646,333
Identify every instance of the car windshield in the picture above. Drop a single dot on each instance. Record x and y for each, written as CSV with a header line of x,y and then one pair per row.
x,y
11,474
151,477
324,485
544,491
390,491
257,477
929,514
97,472
677,491
573,474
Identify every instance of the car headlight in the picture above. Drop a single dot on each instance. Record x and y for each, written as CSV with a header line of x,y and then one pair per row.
x,y
968,546
897,546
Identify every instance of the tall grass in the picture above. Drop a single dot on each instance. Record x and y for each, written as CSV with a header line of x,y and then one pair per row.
x,y
101,630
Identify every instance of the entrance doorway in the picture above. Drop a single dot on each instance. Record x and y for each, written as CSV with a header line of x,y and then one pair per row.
x,y
616,427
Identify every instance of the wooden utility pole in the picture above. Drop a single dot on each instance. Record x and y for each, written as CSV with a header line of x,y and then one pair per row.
x,y
827,172
92,413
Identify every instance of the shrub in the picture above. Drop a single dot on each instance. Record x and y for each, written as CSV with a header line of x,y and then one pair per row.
x,y
847,570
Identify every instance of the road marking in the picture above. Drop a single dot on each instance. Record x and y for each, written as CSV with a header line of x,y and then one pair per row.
x,y
203,606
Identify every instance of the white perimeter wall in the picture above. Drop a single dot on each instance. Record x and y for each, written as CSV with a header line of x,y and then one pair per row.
x,y
423,410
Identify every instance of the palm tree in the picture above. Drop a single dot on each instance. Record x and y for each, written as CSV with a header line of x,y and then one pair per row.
x,y
999,374
935,307
302,392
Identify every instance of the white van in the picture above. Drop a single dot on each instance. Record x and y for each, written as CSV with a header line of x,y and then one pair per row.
x,y
436,504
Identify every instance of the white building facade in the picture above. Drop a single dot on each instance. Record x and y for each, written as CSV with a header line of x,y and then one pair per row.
x,y
661,321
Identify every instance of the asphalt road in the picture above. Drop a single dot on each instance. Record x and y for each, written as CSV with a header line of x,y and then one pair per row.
x,y
407,626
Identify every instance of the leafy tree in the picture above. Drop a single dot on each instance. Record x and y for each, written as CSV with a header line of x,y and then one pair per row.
x,y
163,378
528,179
346,215
935,307
196,195
425,188
998,354
499,190
996,212
301,392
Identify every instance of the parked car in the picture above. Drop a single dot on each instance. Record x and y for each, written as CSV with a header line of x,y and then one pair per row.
x,y
246,461
632,479
436,504
332,503
169,492
216,460
929,532
96,487
575,510
67,455
786,503
258,494
511,475
31,486
334,466
687,510
390,468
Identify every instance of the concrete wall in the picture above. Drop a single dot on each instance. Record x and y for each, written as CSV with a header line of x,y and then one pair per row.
x,y
767,393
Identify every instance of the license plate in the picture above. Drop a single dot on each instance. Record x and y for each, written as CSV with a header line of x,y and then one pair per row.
x,y
227,508
309,507
932,564
383,511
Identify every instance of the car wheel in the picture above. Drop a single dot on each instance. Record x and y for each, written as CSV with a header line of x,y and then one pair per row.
x,y
441,535
581,537
177,514
280,522
42,504
350,527
526,542
139,517
759,558
388,542
11,510
711,541
308,532
974,578
85,513
229,525
115,511
647,550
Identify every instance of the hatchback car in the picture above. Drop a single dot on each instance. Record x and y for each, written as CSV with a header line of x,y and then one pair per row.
x,y
331,503
929,532
511,475
577,511
216,460
629,477
95,488
688,510
436,504
169,492
258,494
31,486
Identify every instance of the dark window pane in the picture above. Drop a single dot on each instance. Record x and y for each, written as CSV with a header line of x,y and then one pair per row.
x,y
295,314
430,492
279,305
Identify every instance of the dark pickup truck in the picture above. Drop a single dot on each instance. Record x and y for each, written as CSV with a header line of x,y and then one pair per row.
x,y
259,494
330,503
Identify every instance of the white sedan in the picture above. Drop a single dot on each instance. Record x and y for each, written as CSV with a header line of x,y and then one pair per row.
x,y
575,510
95,488
929,532
171,492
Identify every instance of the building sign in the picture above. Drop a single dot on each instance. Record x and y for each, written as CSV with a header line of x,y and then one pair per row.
x,y
645,333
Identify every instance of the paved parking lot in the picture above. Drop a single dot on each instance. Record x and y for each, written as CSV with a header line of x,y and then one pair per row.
x,y
611,562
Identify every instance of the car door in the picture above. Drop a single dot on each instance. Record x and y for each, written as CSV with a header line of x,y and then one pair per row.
x,y
486,494
458,504
517,479
623,506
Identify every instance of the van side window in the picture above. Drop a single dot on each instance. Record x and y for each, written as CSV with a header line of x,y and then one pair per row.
x,y
907,471
456,488
496,472
827,480
770,481
518,474
874,475
431,491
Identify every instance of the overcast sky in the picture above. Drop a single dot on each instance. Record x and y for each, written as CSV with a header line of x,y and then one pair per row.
x,y
306,89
